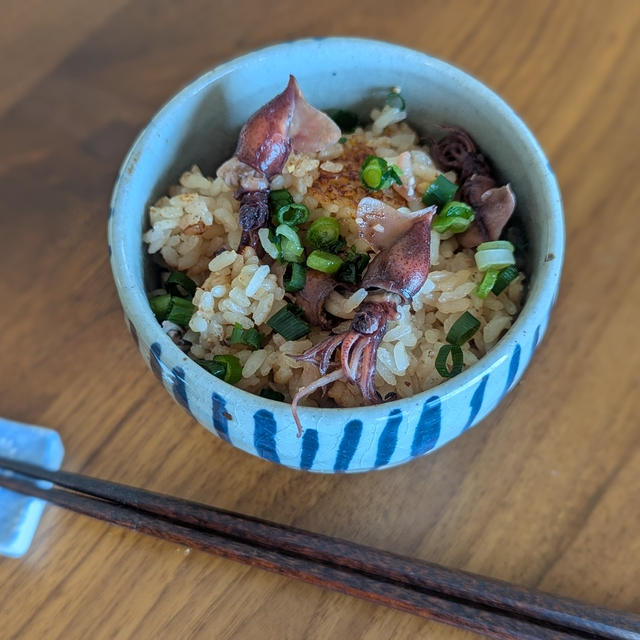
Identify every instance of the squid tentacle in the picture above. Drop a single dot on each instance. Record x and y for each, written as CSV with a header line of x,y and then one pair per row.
x,y
320,355
351,339
309,389
356,359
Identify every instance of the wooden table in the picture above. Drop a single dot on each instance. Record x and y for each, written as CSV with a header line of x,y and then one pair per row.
x,y
545,492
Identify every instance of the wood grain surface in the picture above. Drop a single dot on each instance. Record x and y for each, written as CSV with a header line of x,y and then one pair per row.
x,y
545,492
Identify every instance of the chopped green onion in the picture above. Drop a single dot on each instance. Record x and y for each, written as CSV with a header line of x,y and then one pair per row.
x,y
454,216
184,281
324,261
269,393
172,308
494,259
346,120
295,309
463,329
488,281
290,245
291,214
395,100
232,367
394,174
323,233
337,246
291,252
439,192
251,337
347,273
218,369
278,198
342,139
361,262
496,244
505,277
295,276
354,265
286,231
456,360
455,225
181,311
161,305
372,170
269,242
288,325
376,173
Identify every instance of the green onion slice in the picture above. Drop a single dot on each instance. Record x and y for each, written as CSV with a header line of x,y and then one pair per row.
x,y
295,277
172,308
487,284
393,175
439,192
295,309
181,311
278,198
251,337
376,173
291,214
288,325
218,369
463,329
454,216
505,277
346,120
323,233
342,139
494,259
456,360
496,244
290,234
455,225
271,394
337,246
270,243
372,171
395,100
182,280
291,252
290,245
233,367
324,261
161,305
354,264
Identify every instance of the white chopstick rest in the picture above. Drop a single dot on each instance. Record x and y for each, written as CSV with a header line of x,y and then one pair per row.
x,y
19,514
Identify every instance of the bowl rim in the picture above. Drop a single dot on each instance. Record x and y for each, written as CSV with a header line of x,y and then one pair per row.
x,y
540,297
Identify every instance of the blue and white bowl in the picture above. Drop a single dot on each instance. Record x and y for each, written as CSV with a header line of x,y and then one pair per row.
x,y
200,125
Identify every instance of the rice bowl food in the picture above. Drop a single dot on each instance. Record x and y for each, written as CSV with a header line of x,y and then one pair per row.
x,y
199,126
368,178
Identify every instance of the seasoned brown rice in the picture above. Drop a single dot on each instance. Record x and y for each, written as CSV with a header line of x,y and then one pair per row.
x,y
195,228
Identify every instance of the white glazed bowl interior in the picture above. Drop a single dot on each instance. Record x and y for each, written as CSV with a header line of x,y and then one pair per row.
x,y
200,125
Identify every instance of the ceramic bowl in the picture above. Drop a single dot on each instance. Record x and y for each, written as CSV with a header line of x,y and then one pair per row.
x,y
200,125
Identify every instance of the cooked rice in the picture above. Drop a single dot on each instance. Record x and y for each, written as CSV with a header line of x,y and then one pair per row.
x,y
195,229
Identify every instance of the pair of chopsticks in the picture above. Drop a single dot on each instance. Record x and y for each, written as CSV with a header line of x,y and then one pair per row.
x,y
475,603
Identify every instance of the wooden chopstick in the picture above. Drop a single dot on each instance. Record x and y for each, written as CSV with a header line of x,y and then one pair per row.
x,y
490,607
423,575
